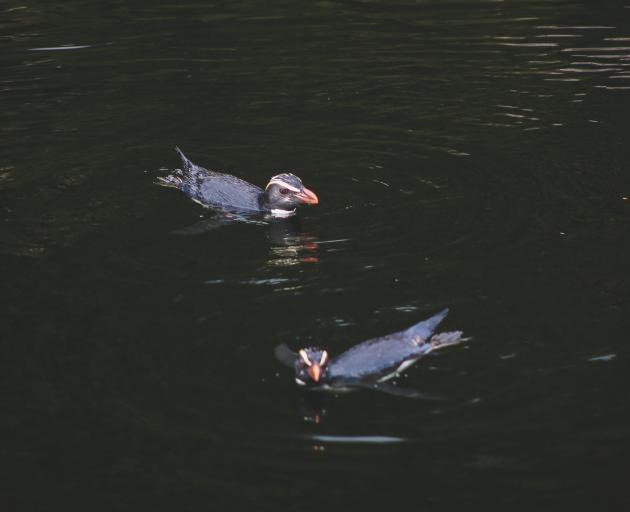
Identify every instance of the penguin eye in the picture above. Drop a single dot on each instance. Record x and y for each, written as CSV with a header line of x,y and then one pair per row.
x,y
284,191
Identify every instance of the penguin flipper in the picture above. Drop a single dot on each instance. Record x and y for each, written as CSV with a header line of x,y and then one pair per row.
x,y
173,180
445,339
176,178
285,355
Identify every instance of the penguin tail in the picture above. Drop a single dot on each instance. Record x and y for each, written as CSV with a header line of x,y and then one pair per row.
x,y
186,164
427,327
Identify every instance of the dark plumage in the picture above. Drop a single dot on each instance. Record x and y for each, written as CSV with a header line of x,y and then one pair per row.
x,y
369,363
283,193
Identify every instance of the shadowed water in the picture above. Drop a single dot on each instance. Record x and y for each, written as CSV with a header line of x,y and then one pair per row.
x,y
471,155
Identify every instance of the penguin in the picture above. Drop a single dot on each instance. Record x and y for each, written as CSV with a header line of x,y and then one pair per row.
x,y
280,198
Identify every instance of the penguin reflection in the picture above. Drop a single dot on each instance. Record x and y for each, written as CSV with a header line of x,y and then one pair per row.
x,y
312,408
290,244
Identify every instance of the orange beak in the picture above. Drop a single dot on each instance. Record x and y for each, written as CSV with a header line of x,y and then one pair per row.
x,y
314,372
307,196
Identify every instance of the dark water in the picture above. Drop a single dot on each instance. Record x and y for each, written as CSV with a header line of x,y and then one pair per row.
x,y
466,154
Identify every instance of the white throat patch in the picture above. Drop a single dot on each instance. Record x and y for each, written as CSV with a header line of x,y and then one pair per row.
x,y
282,213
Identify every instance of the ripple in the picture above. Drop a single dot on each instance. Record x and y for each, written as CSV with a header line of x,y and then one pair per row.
x,y
530,45
560,35
586,70
60,48
598,49
612,87
604,358
376,439
576,27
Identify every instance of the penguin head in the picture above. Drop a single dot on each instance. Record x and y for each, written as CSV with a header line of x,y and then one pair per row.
x,y
285,192
311,366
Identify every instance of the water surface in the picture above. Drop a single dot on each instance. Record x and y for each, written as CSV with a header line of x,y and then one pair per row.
x,y
470,155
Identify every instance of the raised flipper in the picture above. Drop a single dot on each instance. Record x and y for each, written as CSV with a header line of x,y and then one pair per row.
x,y
285,355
